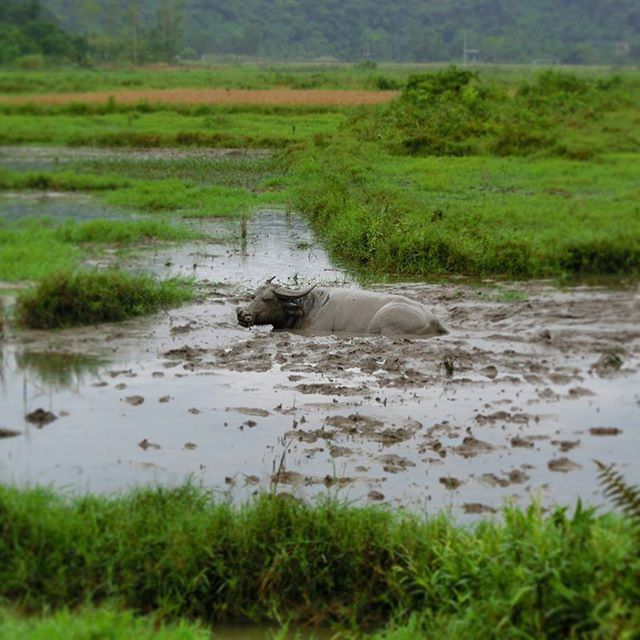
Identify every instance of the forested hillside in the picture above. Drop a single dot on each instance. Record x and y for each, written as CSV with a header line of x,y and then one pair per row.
x,y
569,31
27,29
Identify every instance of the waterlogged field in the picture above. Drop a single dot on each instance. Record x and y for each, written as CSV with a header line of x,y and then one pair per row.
x,y
301,449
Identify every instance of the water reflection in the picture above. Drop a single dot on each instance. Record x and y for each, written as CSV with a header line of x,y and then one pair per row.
x,y
58,371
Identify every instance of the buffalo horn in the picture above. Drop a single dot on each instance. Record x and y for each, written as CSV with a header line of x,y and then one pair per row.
x,y
292,294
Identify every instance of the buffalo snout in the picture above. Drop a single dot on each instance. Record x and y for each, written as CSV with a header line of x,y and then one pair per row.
x,y
245,318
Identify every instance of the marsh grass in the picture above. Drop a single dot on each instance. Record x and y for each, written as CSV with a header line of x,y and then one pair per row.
x,y
168,129
191,200
33,248
59,181
69,299
180,554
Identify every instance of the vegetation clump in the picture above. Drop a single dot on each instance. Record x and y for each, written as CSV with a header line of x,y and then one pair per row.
x,y
69,299
180,554
453,113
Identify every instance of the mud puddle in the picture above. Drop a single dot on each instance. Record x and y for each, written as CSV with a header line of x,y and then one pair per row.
x,y
517,401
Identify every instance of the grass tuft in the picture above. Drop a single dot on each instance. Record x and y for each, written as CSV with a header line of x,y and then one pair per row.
x,y
68,299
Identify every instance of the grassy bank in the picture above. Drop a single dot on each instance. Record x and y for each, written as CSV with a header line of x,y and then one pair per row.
x,y
462,177
67,299
475,215
182,555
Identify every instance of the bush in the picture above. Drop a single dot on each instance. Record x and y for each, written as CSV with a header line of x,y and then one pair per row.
x,y
68,299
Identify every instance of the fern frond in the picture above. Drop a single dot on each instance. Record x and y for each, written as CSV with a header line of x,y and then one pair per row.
x,y
623,495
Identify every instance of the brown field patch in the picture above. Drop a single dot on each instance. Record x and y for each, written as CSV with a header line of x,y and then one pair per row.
x,y
212,96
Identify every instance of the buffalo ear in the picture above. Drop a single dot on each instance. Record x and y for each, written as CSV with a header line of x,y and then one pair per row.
x,y
293,309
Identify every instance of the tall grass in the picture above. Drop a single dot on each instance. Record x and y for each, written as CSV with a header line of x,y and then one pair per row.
x,y
181,554
69,299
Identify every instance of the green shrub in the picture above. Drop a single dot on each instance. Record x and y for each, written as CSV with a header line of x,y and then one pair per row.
x,y
68,299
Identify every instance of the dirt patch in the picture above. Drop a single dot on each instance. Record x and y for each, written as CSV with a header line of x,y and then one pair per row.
x,y
212,96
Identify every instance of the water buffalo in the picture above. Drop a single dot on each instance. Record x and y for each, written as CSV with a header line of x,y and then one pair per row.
x,y
334,310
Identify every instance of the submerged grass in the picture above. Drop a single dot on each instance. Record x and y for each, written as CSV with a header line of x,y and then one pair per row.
x,y
68,299
178,553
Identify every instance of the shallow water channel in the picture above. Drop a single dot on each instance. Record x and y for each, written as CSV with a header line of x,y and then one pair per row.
x,y
530,386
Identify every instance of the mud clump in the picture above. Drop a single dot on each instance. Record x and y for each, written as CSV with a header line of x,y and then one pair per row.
x,y
492,480
310,436
565,445
471,447
8,433
609,363
605,431
522,442
134,401
375,496
477,508
250,411
40,418
327,389
563,465
393,463
145,444
450,482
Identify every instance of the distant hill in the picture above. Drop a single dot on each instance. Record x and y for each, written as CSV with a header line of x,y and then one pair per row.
x,y
568,31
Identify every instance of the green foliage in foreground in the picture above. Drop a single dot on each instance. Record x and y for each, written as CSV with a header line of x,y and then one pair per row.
x,y
472,215
77,298
100,624
180,554
36,248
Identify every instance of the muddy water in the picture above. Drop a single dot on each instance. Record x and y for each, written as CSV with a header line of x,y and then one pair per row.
x,y
35,158
530,386
515,402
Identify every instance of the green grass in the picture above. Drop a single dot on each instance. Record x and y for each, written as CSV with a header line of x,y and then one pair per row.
x,y
167,129
66,180
179,554
35,248
248,76
190,199
124,232
98,624
473,215
68,299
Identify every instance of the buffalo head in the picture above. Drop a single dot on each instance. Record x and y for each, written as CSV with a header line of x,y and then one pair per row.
x,y
275,305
